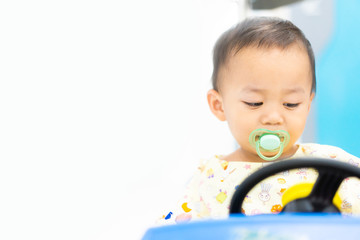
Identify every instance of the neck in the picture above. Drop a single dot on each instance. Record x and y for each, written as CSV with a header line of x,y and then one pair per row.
x,y
241,155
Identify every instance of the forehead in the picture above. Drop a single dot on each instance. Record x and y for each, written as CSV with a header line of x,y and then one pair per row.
x,y
267,68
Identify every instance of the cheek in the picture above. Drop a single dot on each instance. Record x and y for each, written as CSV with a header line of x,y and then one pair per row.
x,y
242,123
296,125
241,130
300,117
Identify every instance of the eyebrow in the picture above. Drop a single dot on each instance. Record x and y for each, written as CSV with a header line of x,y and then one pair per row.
x,y
295,90
260,90
252,89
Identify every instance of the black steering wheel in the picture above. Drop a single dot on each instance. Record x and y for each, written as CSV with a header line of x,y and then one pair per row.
x,y
331,174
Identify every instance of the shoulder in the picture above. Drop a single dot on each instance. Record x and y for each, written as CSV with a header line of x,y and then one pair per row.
x,y
326,151
215,162
309,148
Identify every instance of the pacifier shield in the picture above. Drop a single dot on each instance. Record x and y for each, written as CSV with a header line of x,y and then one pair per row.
x,y
265,140
269,142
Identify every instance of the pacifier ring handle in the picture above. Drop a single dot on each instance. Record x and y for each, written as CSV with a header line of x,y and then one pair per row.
x,y
268,158
257,134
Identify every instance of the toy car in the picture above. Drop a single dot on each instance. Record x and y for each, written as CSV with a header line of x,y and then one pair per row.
x,y
311,217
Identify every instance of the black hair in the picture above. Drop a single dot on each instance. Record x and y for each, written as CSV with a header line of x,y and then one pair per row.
x,y
260,32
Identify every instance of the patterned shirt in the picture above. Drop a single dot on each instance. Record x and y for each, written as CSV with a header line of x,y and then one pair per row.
x,y
210,190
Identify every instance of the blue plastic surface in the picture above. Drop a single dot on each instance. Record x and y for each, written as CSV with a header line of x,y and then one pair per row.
x,y
270,227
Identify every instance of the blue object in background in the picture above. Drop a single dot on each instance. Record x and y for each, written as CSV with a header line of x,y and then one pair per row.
x,y
338,76
271,227
168,216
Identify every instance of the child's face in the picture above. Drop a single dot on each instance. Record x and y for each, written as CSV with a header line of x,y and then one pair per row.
x,y
264,88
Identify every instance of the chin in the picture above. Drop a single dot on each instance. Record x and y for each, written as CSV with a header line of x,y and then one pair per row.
x,y
270,154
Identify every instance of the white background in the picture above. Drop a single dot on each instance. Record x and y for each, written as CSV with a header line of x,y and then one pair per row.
x,y
103,113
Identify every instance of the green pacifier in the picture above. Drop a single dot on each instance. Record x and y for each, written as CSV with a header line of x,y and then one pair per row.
x,y
264,140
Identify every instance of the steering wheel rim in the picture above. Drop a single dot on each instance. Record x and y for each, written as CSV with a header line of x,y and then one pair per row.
x,y
330,170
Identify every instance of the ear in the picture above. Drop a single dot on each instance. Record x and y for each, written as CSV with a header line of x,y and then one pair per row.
x,y
216,104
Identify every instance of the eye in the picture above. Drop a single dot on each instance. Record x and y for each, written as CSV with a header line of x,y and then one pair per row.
x,y
254,104
291,105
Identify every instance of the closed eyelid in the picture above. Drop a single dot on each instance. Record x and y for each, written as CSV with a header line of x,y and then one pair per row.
x,y
253,104
291,105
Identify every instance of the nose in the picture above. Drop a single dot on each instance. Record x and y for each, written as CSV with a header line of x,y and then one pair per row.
x,y
272,117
